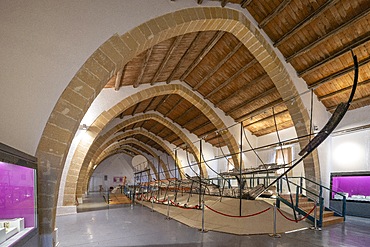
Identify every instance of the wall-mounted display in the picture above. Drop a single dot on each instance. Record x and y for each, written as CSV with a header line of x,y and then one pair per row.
x,y
354,185
18,193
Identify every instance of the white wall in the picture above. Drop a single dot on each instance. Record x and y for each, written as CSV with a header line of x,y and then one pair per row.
x,y
114,166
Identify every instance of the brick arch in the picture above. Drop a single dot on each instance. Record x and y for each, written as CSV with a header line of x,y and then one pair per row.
x,y
76,171
81,183
112,56
115,151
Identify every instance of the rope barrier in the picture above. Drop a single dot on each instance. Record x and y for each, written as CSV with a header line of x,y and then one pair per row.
x,y
236,216
299,219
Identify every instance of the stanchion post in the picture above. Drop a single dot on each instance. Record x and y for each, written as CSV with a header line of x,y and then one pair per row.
x,y
168,209
315,227
152,204
274,234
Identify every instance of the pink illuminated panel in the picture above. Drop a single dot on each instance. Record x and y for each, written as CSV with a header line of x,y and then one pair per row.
x,y
354,187
17,186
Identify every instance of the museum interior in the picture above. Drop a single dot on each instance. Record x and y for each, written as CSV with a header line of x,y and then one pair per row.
x,y
236,117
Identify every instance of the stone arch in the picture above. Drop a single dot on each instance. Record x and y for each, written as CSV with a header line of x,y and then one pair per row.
x,y
112,56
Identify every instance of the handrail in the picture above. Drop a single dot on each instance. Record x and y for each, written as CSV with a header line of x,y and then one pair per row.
x,y
322,186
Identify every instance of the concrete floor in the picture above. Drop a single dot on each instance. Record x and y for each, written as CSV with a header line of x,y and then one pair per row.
x,y
138,226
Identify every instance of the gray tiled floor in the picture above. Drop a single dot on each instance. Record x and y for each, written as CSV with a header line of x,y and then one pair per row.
x,y
140,227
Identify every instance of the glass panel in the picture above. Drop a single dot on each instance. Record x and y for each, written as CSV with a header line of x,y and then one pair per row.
x,y
354,187
17,184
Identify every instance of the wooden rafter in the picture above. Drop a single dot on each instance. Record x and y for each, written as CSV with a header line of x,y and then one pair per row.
x,y
200,126
184,113
328,35
171,133
271,128
223,3
245,3
178,65
343,90
193,119
204,135
165,60
143,68
267,118
204,52
356,101
246,86
199,1
305,21
174,107
150,103
233,77
336,55
219,65
260,110
277,10
135,108
337,74
162,101
119,76
257,97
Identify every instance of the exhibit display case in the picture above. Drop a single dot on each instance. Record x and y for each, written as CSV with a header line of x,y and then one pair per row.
x,y
354,185
18,197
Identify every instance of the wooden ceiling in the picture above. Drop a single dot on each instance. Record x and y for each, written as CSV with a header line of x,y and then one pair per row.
x,y
314,36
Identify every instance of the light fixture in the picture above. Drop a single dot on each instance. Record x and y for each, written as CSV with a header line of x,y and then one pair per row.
x,y
84,127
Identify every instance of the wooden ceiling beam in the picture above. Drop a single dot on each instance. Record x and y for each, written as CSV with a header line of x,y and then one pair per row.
x,y
203,53
223,3
218,66
164,98
204,135
352,46
233,77
143,67
135,108
165,60
343,90
200,126
174,107
245,3
270,129
328,35
305,21
182,59
260,110
193,119
184,113
356,101
277,10
337,74
119,76
246,86
199,1
150,103
257,97
267,118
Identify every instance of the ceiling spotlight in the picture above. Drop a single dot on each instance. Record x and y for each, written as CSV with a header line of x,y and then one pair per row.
x,y
84,127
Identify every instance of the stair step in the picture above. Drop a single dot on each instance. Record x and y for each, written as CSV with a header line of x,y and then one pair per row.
x,y
332,220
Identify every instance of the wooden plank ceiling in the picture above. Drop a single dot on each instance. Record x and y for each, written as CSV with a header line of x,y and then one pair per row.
x,y
315,37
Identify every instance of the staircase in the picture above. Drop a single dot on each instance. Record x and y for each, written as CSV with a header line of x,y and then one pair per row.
x,y
306,205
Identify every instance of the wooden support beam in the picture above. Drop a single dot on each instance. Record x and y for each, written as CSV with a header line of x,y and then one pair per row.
x,y
164,98
277,10
194,119
337,74
203,53
305,21
135,108
204,135
200,126
347,49
245,3
272,128
174,107
218,66
143,67
233,77
267,118
328,35
260,110
184,114
199,1
150,103
246,86
223,3
343,90
356,101
117,84
178,65
251,100
165,60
